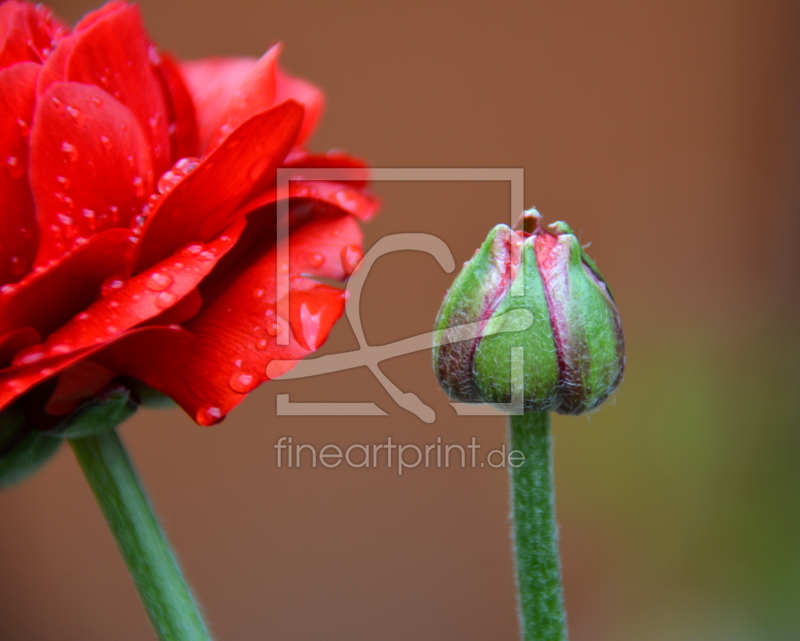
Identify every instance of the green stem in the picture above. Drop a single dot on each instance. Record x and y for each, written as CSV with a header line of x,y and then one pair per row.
x,y
541,600
161,586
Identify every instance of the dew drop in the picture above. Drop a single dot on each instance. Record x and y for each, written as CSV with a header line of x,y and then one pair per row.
x,y
351,255
111,285
138,186
24,128
15,386
273,326
77,114
345,199
65,219
243,381
88,213
158,281
316,260
63,181
69,151
258,293
8,289
31,356
61,348
56,102
112,329
83,316
209,415
207,255
192,250
16,265
166,299
97,102
238,362
14,167
311,326
260,335
106,142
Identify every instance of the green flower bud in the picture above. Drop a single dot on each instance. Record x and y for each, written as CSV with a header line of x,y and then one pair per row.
x,y
569,359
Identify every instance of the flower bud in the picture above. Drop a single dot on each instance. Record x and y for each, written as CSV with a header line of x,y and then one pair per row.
x,y
569,359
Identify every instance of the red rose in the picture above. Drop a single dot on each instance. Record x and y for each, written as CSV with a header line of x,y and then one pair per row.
x,y
138,224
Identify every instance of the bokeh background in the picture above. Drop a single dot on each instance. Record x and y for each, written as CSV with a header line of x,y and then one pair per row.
x,y
667,134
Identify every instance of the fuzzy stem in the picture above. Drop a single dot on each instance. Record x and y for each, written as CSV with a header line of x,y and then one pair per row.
x,y
162,588
541,601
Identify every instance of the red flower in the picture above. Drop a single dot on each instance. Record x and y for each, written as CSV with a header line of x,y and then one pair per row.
x,y
138,224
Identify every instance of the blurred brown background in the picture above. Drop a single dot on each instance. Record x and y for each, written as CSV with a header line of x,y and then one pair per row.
x,y
667,134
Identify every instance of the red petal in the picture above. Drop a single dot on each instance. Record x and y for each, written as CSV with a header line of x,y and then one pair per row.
x,y
127,303
18,227
182,116
226,349
112,51
355,171
15,341
255,94
48,297
54,68
357,202
141,298
90,166
27,33
212,83
77,384
17,380
205,202
302,91
93,16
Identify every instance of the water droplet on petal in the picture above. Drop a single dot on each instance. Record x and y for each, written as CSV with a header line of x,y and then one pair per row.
x,y
83,316
87,213
65,219
345,199
111,285
69,151
138,186
209,415
258,293
208,255
77,114
8,289
238,362
311,326
351,256
158,281
166,299
192,250
14,167
106,142
97,101
316,260
61,348
63,181
243,381
24,128
31,355
260,335
16,265
15,386
112,329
